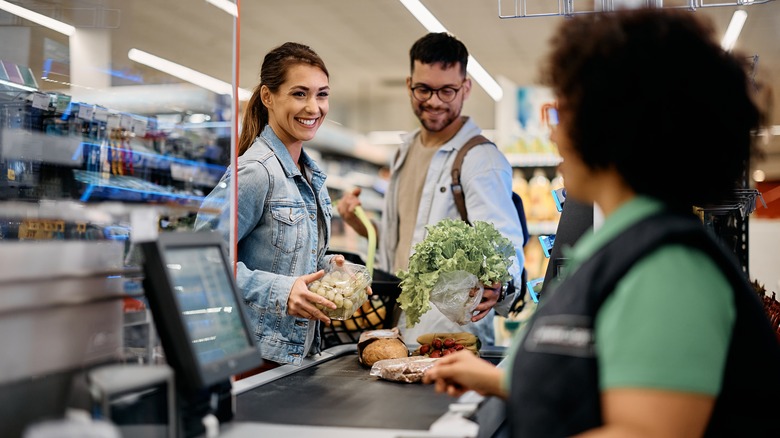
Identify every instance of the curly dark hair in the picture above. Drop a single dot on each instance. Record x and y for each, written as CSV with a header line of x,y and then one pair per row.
x,y
439,47
650,93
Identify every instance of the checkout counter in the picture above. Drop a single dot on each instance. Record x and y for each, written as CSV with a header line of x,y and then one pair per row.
x,y
193,298
334,396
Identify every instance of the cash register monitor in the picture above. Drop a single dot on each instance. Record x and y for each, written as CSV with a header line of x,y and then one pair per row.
x,y
197,309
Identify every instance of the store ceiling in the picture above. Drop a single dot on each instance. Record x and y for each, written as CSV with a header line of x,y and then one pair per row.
x,y
365,44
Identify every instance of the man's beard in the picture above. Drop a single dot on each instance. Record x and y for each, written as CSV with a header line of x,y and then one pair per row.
x,y
449,116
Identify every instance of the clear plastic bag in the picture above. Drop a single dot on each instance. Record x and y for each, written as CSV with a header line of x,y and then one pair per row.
x,y
451,295
345,286
407,369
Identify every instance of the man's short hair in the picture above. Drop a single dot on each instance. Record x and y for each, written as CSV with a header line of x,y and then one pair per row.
x,y
439,48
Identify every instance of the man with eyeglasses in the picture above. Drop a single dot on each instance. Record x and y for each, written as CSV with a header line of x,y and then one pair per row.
x,y
419,191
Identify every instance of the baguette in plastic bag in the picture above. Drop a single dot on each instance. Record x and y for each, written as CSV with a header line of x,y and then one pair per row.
x,y
406,369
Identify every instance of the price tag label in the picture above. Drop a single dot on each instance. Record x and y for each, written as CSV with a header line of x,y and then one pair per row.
x,y
112,122
40,101
139,128
85,112
100,115
62,103
125,121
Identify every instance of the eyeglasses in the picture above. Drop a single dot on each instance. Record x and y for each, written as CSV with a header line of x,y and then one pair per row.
x,y
446,94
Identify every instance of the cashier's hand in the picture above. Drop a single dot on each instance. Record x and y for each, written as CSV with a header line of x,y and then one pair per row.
x,y
463,371
301,301
489,300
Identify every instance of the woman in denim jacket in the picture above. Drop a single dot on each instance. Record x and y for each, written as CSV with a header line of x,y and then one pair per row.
x,y
284,210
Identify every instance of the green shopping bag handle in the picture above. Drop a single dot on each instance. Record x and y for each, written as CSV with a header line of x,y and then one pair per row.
x,y
371,239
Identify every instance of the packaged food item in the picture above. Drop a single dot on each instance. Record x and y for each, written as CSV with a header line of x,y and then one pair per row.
x,y
345,286
376,345
520,186
541,206
436,345
406,369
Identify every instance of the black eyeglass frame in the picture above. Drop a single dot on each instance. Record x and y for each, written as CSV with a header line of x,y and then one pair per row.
x,y
432,91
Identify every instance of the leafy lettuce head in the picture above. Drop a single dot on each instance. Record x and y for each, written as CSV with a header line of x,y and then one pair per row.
x,y
453,245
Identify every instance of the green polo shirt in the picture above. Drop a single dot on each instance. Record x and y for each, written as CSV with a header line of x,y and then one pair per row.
x,y
668,323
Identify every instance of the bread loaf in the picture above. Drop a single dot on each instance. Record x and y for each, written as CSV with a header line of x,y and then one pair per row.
x,y
375,345
383,348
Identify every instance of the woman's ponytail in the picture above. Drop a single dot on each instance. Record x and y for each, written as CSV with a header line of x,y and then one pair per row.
x,y
255,119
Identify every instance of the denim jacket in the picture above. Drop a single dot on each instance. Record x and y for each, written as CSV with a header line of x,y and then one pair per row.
x,y
277,241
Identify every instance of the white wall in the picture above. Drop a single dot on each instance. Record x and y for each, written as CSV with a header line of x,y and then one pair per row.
x,y
764,252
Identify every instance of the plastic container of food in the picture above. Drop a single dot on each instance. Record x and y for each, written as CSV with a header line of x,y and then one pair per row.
x,y
345,286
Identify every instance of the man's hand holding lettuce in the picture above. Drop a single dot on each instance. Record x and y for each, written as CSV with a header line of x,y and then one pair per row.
x,y
451,246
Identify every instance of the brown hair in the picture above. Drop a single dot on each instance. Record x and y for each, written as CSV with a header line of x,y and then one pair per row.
x,y
273,73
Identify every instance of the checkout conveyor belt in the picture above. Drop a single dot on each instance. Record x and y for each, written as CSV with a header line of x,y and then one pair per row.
x,y
339,392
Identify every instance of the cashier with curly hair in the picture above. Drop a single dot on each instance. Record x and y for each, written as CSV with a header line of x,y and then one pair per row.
x,y
652,329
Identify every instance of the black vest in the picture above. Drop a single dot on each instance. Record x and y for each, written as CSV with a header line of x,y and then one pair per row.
x,y
555,385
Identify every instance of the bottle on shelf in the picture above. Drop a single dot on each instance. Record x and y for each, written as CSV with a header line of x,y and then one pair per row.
x,y
557,182
520,186
541,206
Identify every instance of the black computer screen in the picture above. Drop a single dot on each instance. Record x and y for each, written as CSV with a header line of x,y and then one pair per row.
x,y
197,309
208,306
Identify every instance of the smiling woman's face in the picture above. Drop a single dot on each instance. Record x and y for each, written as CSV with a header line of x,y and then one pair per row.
x,y
298,108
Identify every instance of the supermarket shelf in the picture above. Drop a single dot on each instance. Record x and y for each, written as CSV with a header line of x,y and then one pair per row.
x,y
130,189
533,160
545,227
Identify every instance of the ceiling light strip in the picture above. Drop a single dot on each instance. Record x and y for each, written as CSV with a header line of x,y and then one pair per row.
x,y
59,26
475,69
734,29
483,78
423,15
186,74
226,5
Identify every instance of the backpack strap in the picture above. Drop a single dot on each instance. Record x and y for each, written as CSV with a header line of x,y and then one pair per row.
x,y
457,188
460,203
